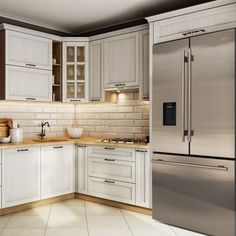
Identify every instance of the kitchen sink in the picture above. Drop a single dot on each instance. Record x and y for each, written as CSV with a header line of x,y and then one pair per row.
x,y
49,140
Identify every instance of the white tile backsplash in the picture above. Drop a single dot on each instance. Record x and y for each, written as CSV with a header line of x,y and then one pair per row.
x,y
129,117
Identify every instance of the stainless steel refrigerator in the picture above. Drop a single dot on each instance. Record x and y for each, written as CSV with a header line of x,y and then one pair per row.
x,y
193,133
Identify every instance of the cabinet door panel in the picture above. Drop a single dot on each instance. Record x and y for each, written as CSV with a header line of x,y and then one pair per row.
x,y
121,60
21,176
28,84
82,169
28,50
112,190
58,170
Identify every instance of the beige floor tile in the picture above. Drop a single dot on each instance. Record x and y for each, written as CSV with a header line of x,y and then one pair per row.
x,y
71,202
109,232
159,231
140,220
67,221
107,221
23,232
4,220
66,232
37,211
67,209
94,209
183,232
27,222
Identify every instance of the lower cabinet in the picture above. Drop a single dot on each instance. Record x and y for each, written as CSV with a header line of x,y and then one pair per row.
x,y
82,172
112,190
20,176
58,170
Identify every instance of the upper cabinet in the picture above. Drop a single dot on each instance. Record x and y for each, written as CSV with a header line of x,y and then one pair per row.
x,y
144,65
121,61
75,71
96,90
28,50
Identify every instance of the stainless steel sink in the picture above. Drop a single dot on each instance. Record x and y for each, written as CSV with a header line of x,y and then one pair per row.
x,y
49,140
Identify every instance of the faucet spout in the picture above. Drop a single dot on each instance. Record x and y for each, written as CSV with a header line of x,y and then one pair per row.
x,y
43,131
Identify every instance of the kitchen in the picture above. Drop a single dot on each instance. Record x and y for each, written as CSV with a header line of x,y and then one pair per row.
x,y
119,87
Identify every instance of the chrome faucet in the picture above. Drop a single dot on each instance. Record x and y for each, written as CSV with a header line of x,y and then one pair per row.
x,y
43,131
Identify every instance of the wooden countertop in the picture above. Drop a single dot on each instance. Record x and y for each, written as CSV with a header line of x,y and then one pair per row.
x,y
66,140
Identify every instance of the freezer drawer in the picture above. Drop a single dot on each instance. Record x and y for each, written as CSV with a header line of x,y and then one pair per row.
x,y
194,193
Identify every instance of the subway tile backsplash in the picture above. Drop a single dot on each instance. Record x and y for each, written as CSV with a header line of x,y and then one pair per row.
x,y
128,118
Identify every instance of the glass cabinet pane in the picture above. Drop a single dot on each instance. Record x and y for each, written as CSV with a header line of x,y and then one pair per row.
x,y
70,90
80,54
70,54
80,90
70,72
80,72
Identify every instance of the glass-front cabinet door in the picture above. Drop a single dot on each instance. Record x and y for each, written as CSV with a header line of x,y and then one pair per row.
x,y
75,71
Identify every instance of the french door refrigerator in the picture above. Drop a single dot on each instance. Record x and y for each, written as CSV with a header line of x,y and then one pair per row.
x,y
193,133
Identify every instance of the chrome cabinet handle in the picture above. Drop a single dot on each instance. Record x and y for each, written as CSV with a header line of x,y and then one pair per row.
x,y
32,65
109,148
96,100
107,159
140,150
160,161
33,99
193,32
22,150
57,147
83,146
109,181
120,85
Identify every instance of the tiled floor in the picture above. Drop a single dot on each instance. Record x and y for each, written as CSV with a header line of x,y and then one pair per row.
x,y
79,218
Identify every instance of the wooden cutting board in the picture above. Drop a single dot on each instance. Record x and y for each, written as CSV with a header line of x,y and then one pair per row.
x,y
5,125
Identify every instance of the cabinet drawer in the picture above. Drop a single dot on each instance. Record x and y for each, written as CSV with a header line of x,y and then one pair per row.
x,y
112,190
112,169
109,152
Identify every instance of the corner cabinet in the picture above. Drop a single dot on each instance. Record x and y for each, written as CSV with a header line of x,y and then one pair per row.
x,y
58,170
121,61
75,71
20,176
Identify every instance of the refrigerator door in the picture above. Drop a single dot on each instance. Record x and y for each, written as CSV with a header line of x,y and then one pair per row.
x,y
213,86
194,193
169,97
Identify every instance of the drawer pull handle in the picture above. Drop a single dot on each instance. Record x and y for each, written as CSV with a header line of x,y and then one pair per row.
x,y
33,99
58,147
83,146
120,85
193,32
32,65
107,159
22,150
141,151
109,148
109,181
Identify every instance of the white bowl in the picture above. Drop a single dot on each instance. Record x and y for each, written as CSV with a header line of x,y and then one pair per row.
x,y
5,139
75,132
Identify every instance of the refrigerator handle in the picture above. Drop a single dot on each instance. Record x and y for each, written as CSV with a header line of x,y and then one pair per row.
x,y
184,60
189,115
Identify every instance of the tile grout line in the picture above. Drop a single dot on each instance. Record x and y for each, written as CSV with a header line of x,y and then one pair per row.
x,y
47,220
173,231
4,227
127,222
86,217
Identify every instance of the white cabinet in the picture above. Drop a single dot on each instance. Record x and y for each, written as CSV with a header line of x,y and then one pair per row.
x,y
194,23
144,65
111,169
75,71
96,90
28,84
82,172
20,176
112,190
143,178
28,50
58,170
121,61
